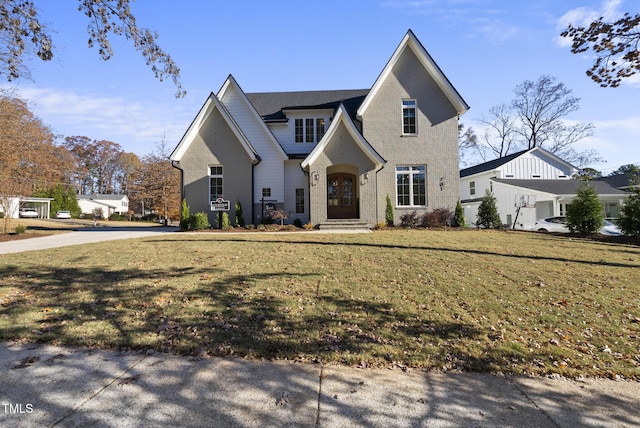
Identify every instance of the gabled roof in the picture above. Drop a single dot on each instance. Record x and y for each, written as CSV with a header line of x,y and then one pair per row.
x,y
212,103
497,163
561,187
490,165
230,84
271,105
410,41
620,181
342,116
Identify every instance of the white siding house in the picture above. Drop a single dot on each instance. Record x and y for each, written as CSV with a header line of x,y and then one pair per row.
x,y
108,204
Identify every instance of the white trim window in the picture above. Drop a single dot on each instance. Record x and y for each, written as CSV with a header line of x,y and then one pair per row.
x,y
411,186
409,123
300,208
309,130
215,182
472,188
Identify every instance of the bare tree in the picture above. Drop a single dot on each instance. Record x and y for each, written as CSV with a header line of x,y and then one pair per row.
x,y
615,45
159,183
22,34
500,130
467,143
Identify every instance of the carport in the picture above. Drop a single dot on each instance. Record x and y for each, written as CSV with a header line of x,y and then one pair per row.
x,y
42,205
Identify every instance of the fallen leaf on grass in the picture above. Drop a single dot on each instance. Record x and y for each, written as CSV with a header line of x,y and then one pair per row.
x,y
26,362
129,380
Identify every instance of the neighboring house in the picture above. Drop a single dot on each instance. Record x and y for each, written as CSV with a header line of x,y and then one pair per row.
x,y
11,205
528,186
329,157
109,204
620,181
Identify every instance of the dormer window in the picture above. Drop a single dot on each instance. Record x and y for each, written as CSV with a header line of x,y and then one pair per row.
x,y
309,130
409,125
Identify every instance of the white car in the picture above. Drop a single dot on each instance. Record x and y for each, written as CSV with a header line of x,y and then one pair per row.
x,y
558,224
28,213
63,214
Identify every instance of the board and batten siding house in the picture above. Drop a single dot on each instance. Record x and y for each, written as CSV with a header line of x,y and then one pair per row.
x,y
329,157
528,186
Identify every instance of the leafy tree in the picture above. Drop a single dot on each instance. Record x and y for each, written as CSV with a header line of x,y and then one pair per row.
x,y
589,174
629,218
388,212
488,216
630,170
584,214
615,45
63,199
23,34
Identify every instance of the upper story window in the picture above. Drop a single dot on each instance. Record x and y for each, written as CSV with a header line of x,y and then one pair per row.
x,y
266,192
215,182
309,130
472,188
409,126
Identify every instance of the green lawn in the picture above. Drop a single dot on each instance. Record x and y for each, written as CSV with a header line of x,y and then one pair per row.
x,y
457,300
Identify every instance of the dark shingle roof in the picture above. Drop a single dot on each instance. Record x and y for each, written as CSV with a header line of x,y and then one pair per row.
x,y
490,165
619,180
270,105
561,187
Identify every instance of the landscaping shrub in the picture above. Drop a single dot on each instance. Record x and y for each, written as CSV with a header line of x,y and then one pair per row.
x,y
629,219
297,223
458,217
488,213
410,220
439,217
20,229
226,222
239,216
184,215
584,214
199,221
308,226
388,212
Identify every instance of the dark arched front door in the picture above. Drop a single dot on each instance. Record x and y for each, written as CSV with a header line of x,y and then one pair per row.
x,y
341,197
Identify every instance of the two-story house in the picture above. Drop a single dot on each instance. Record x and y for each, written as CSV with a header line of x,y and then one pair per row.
x,y
329,157
529,185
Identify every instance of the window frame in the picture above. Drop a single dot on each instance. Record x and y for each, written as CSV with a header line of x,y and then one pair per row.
x,y
218,175
266,192
472,188
409,105
411,171
300,201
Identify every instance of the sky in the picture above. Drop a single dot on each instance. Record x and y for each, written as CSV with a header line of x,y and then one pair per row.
x,y
485,47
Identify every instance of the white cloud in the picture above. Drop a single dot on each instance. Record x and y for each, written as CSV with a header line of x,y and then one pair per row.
x,y
136,125
583,16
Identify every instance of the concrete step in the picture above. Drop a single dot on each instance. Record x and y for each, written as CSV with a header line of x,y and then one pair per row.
x,y
344,225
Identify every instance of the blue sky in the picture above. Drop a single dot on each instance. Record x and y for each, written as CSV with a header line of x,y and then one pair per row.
x,y
485,47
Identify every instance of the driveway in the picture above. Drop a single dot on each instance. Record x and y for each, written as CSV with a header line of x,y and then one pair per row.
x,y
82,236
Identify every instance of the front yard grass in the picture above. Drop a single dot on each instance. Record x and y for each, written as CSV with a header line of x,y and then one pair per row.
x,y
512,302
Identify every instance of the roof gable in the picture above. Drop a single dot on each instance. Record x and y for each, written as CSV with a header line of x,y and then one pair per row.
x,y
212,103
410,41
342,116
497,163
232,85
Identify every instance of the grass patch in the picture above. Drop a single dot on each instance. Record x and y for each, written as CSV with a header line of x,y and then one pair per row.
x,y
449,300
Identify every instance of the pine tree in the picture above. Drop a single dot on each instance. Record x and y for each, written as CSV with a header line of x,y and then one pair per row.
x,y
585,214
184,215
488,212
239,216
629,219
458,217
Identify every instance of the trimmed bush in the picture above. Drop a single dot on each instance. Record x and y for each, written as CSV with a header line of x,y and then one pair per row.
x,y
199,221
629,219
20,229
239,217
184,216
584,214
439,217
458,217
410,220
388,212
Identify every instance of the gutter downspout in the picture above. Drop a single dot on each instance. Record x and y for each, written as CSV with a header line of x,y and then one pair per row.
x,y
176,165
253,187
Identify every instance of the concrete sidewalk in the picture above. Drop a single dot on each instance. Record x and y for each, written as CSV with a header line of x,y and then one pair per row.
x,y
42,385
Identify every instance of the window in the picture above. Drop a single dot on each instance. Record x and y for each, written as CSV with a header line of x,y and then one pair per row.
x,y
266,192
299,130
409,117
299,201
411,185
472,188
215,182
309,130
319,128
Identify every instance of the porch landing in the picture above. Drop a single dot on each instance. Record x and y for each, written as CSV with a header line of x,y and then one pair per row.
x,y
344,225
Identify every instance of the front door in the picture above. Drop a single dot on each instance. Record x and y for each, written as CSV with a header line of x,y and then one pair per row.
x,y
341,198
